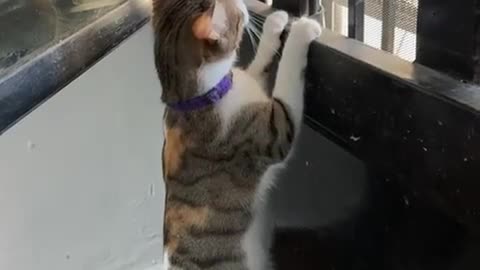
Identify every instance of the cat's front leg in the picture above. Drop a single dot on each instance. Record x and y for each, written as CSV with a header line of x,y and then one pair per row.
x,y
290,81
269,45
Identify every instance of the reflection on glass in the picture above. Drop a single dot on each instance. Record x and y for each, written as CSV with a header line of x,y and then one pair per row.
x,y
28,27
84,5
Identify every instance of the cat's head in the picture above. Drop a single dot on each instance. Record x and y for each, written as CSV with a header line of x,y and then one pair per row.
x,y
183,42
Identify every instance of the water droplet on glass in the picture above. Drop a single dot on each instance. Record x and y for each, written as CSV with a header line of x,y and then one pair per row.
x,y
152,190
406,201
30,145
355,138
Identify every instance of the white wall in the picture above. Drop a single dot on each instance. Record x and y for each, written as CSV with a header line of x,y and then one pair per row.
x,y
80,177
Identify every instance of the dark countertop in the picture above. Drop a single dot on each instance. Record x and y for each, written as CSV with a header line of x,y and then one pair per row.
x,y
45,44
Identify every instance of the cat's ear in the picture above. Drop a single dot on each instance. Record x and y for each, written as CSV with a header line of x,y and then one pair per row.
x,y
203,28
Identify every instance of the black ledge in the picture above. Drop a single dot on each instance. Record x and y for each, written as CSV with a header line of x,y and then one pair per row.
x,y
413,127
419,126
42,72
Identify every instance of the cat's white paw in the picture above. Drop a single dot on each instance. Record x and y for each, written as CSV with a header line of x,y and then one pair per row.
x,y
275,24
305,30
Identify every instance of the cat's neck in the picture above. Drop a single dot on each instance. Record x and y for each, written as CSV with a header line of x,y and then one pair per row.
x,y
209,75
184,84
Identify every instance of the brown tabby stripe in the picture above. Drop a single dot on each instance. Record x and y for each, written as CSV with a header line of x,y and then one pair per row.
x,y
229,178
166,235
223,223
192,203
279,120
209,263
291,126
219,263
213,246
228,266
217,157
200,233
251,116
191,182
272,124
180,262
212,250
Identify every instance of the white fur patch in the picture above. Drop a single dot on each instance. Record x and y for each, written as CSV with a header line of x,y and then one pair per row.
x,y
166,262
219,18
259,236
212,73
241,6
269,44
245,91
290,82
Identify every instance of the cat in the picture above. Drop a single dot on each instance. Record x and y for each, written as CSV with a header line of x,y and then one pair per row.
x,y
225,136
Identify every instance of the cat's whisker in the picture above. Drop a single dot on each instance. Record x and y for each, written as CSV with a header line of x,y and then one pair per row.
x,y
258,34
253,19
257,27
256,21
258,24
257,17
256,40
254,36
254,27
252,39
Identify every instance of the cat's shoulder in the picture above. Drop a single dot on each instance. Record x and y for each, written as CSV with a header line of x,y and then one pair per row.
x,y
245,91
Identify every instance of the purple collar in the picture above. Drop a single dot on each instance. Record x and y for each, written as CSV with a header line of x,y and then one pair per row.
x,y
211,97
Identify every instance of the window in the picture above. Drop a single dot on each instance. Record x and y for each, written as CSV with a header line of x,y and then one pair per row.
x,y
390,25
28,27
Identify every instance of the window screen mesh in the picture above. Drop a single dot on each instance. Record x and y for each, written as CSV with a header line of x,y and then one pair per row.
x,y
390,25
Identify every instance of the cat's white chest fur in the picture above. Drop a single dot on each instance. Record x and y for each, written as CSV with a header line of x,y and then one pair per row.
x,y
245,90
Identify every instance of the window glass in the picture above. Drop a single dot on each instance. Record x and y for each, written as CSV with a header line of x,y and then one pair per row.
x,y
28,27
390,25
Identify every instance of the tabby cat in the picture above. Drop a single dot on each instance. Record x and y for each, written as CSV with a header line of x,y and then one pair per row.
x,y
225,136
